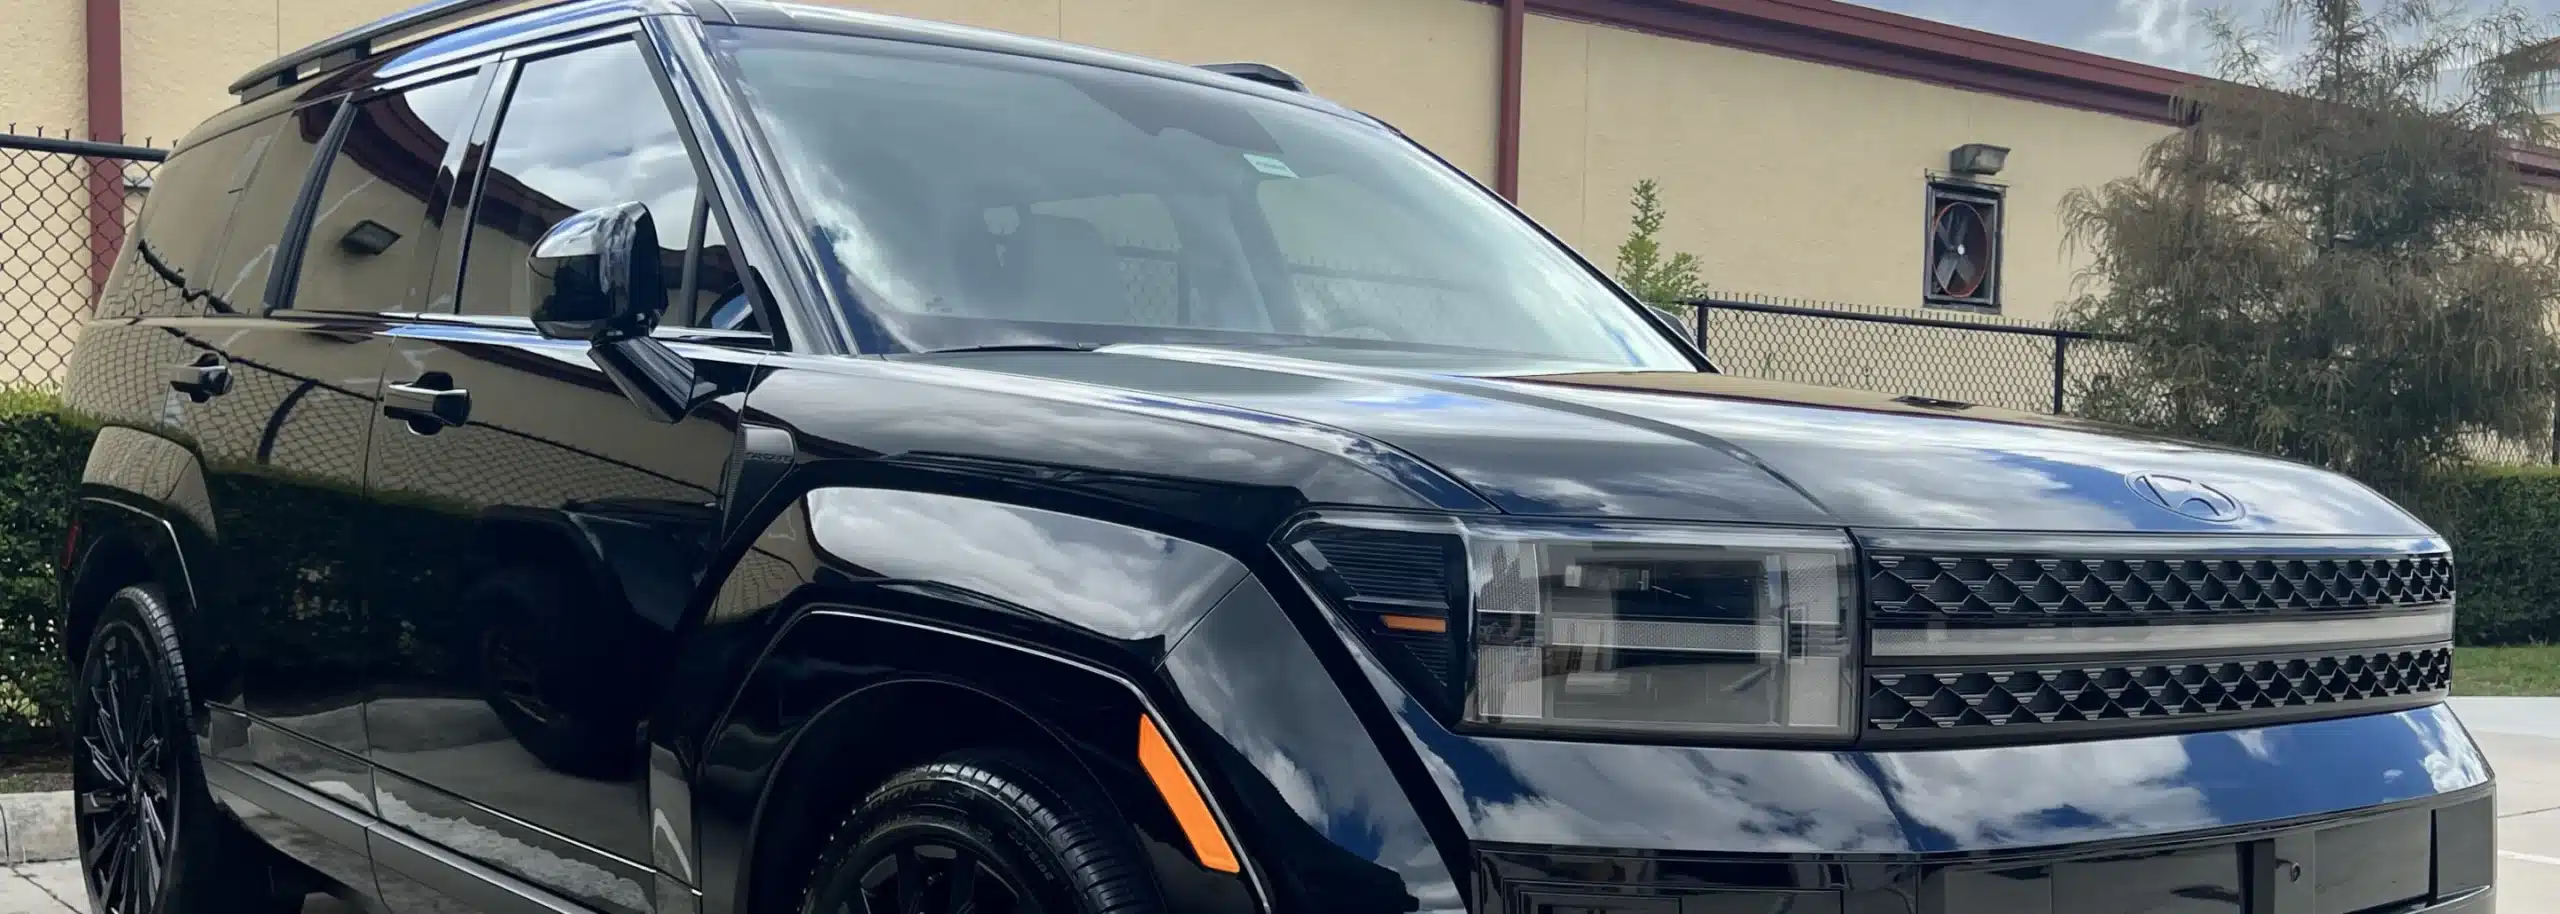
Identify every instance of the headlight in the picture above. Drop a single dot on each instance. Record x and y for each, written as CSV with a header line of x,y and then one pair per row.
x,y
1601,628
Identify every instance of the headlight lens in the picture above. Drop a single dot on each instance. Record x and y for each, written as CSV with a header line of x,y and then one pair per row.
x,y
1604,628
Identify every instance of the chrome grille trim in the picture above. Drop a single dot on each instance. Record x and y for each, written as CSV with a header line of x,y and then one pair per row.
x,y
2415,626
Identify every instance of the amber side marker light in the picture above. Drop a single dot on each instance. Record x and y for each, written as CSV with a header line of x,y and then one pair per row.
x,y
1173,782
1415,624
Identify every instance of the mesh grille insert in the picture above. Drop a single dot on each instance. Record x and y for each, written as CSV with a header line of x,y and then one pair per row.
x,y
1388,566
1909,588
1999,696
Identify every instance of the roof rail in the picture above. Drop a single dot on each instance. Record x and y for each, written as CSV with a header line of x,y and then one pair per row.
x,y
357,43
1263,73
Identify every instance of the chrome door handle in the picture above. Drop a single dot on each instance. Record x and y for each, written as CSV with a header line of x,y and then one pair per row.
x,y
204,379
427,408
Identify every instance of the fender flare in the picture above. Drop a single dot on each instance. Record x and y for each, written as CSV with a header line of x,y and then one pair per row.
x,y
148,492
814,677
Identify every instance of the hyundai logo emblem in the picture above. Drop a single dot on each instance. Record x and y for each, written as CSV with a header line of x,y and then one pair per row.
x,y
2186,496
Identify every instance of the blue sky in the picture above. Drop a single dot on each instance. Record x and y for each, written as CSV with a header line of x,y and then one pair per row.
x,y
2164,33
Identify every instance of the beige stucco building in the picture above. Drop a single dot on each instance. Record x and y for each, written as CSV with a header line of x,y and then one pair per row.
x,y
1795,140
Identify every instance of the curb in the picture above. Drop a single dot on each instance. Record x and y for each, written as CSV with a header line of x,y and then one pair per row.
x,y
36,827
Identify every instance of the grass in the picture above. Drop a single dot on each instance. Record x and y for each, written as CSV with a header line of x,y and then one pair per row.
x,y
2527,670
32,770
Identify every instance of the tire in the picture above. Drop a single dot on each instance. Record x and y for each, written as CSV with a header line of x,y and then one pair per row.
x,y
983,833
151,839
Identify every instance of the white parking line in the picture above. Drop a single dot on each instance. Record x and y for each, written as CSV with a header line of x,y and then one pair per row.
x,y
2530,858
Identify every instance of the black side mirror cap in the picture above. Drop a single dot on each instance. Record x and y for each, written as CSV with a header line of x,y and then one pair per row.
x,y
605,279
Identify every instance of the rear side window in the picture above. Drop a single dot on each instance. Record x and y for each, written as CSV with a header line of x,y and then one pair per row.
x,y
273,182
165,272
370,240
582,130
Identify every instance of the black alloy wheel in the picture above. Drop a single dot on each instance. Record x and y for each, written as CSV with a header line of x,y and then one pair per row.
x,y
125,773
921,875
152,839
984,832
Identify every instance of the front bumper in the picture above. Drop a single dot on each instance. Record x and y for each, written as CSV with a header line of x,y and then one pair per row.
x,y
2386,812
1950,801
2431,858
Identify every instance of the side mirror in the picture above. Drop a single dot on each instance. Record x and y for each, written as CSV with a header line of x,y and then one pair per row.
x,y
607,290
605,280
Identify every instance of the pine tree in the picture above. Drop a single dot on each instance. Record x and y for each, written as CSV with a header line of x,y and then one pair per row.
x,y
1641,268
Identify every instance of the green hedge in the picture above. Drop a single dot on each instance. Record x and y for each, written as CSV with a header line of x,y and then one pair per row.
x,y
2505,527
41,454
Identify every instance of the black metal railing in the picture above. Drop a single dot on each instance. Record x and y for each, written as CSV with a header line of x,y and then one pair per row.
x,y
65,206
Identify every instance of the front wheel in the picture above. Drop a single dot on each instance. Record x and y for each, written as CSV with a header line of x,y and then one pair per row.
x,y
983,833
150,840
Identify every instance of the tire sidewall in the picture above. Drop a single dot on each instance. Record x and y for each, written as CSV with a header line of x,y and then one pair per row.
x,y
141,611
214,865
939,804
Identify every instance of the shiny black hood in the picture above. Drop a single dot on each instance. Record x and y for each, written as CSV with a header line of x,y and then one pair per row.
x,y
1694,446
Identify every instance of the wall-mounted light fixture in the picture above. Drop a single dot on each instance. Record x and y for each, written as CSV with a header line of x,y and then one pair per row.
x,y
1977,159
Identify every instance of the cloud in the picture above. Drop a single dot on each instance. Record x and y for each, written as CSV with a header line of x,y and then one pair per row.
x,y
2160,28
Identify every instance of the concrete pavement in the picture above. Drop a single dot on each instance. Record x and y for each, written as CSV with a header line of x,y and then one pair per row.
x,y
2520,735
2522,738
42,888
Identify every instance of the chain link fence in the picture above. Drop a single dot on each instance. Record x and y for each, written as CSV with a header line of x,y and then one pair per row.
x,y
1993,361
65,206
1984,359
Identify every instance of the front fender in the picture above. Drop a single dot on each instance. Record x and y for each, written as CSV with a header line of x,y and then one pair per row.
x,y
851,590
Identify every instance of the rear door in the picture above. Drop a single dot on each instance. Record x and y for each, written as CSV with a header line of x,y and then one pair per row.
x,y
544,532
296,336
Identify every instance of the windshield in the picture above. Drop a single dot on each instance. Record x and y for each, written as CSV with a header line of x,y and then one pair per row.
x,y
973,199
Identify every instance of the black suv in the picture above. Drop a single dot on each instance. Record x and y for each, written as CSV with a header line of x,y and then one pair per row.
x,y
674,456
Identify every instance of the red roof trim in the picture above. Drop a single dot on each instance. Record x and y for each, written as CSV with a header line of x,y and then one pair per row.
x,y
2539,165
1858,37
1842,34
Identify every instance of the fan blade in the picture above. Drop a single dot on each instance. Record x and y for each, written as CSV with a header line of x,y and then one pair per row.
x,y
1968,222
1943,273
1969,271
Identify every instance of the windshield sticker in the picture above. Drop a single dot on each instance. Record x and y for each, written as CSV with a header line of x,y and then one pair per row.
x,y
1270,166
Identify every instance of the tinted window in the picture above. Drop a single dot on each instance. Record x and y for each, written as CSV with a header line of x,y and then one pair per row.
x,y
370,227
1136,208
181,228
271,183
584,130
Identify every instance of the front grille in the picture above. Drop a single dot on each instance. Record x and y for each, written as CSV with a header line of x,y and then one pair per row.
x,y
2083,695
1913,588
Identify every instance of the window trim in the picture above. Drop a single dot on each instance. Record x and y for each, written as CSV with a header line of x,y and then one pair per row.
x,y
145,256
284,277
486,132
1995,197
